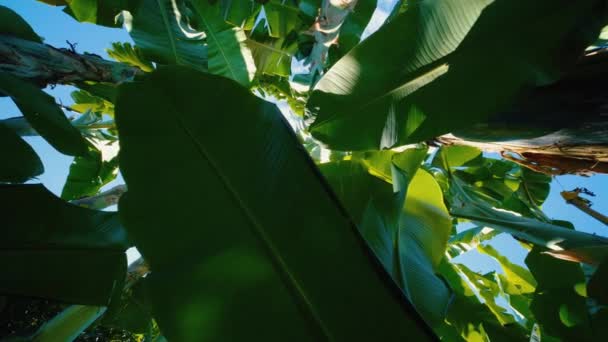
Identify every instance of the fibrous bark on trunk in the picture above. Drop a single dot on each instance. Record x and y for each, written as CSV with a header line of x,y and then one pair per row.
x,y
45,65
567,151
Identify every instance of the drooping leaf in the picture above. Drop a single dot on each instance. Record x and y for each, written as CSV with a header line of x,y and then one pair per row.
x,y
125,53
88,174
448,157
100,12
12,24
562,242
405,227
161,30
281,17
517,275
502,183
472,319
457,51
104,91
469,239
53,249
44,115
488,290
242,229
19,160
85,101
229,55
237,12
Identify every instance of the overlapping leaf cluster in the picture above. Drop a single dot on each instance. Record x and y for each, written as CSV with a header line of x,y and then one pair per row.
x,y
241,228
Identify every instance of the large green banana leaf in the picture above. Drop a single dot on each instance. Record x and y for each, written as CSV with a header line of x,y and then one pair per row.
x,y
501,183
447,64
466,240
44,115
160,28
468,316
519,277
38,108
244,238
407,228
561,242
100,12
229,56
53,249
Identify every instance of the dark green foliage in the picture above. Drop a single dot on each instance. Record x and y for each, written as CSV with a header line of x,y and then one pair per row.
x,y
405,223
19,161
244,237
44,115
452,64
242,255
88,174
156,29
556,305
59,251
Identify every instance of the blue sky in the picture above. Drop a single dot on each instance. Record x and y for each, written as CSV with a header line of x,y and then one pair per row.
x,y
56,27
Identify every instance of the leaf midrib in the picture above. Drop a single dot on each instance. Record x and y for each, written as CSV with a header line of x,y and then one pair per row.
x,y
167,25
255,224
212,34
425,77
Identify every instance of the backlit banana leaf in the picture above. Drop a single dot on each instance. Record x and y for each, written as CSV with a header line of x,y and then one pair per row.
x,y
447,65
258,240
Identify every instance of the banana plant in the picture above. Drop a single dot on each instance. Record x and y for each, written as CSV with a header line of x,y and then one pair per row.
x,y
352,227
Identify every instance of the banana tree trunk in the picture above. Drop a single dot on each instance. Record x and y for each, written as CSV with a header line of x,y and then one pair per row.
x,y
567,151
45,65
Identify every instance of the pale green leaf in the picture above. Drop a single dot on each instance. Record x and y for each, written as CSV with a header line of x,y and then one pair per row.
x,y
229,55
162,31
125,53
52,249
520,278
